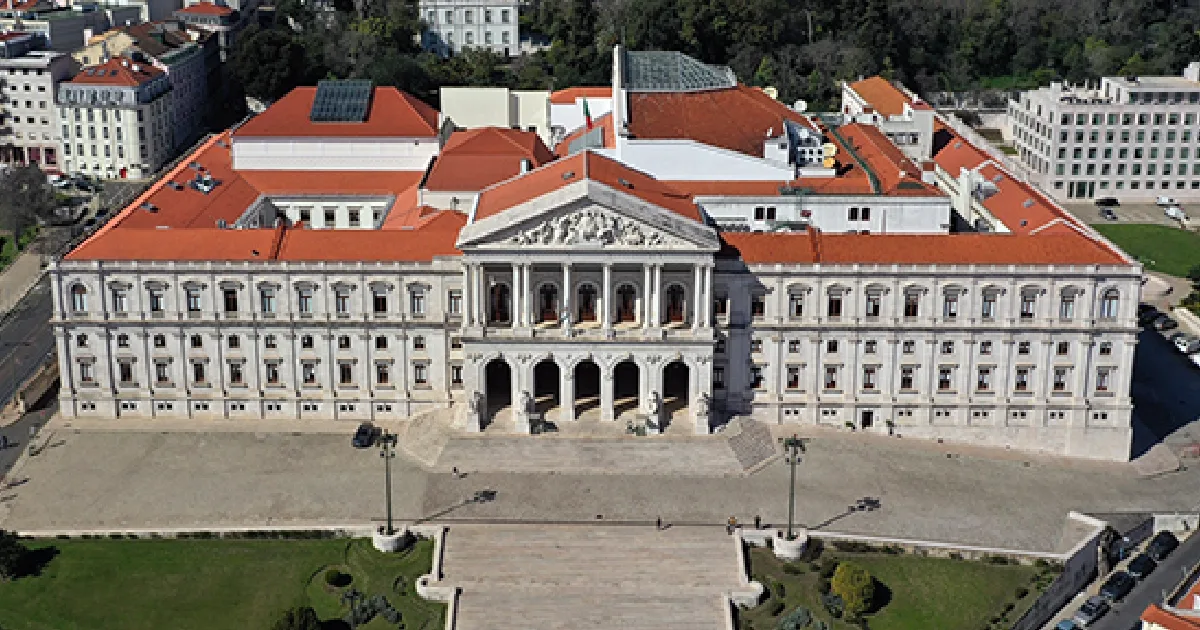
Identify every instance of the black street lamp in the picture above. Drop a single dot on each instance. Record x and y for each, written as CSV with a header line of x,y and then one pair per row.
x,y
793,447
387,451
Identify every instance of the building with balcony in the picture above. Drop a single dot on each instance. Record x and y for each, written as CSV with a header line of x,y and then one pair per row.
x,y
1131,137
452,25
29,133
310,264
67,28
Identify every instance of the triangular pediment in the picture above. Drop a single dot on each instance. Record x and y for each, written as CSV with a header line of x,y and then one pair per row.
x,y
588,216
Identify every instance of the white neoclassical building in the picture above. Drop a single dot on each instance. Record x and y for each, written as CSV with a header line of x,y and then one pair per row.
x,y
582,289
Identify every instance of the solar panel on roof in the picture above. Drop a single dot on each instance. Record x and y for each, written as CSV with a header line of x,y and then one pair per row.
x,y
341,101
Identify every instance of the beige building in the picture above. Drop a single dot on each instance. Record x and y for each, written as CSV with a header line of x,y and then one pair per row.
x,y
31,134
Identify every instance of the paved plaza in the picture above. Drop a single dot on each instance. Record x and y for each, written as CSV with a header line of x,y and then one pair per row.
x,y
138,479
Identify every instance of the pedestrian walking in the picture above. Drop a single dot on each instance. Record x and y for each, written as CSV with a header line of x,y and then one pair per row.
x,y
455,471
658,524
757,522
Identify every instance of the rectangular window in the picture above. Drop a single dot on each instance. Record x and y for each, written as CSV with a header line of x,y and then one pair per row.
x,y
456,375
157,303
85,373
950,307
231,301
873,305
1103,378
1066,308
794,346
272,371
341,302
198,376
120,301
831,377
1105,348
1028,305
193,300
417,302
383,373
1062,348
985,347
868,381
234,342
125,373
267,300
304,301
721,305
1060,379
235,374
758,306
718,378
912,303
420,374
308,373
345,373
835,306
793,377
454,302
984,382
756,377
906,377
1021,382
796,305
162,373
945,378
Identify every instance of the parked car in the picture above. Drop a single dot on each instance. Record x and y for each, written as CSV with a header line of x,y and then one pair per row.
x,y
1108,214
1165,201
1094,608
1117,586
1164,542
1187,344
1164,322
364,436
1107,202
1147,315
1141,566
1174,212
58,181
1066,624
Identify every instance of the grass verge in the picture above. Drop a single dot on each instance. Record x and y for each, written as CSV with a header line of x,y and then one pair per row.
x,y
1160,248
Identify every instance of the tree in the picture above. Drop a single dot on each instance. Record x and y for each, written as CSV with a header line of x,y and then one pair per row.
x,y
855,586
267,62
25,197
12,555
300,618
1193,274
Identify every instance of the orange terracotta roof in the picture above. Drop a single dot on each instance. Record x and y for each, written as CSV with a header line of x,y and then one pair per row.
x,y
607,134
813,246
1156,615
583,165
737,118
570,95
392,114
475,159
881,95
897,173
206,8
433,236
117,71
331,182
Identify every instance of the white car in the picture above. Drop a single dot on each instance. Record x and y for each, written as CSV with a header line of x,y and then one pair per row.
x,y
1165,201
1187,344
1175,212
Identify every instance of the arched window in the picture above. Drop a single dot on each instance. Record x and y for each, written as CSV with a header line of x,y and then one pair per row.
x,y
498,305
548,302
626,303
79,298
1109,304
587,303
675,303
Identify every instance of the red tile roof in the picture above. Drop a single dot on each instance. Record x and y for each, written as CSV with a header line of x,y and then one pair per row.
x,y
206,8
1156,615
881,95
897,174
570,95
475,159
607,136
117,71
578,167
738,118
392,114
813,246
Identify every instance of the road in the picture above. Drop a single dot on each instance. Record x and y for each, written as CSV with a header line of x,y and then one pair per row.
x,y
25,339
1126,615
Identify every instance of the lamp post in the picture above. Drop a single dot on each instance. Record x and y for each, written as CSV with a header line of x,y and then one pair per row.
x,y
387,451
793,447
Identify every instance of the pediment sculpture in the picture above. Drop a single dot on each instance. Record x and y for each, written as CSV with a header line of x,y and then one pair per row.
x,y
591,227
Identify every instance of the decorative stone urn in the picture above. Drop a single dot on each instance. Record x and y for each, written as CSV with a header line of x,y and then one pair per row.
x,y
392,543
790,550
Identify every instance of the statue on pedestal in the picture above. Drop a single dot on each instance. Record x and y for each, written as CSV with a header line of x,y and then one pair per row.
x,y
702,405
653,405
528,406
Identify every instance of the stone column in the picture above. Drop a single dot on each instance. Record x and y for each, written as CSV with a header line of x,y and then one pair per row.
x,y
482,295
645,314
656,298
468,314
698,297
566,393
708,295
607,304
528,299
564,300
515,296
607,411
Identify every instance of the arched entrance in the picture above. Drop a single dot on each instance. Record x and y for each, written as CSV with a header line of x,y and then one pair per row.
x,y
587,304
675,304
548,303
626,304
546,385
625,387
676,378
587,387
498,387
499,301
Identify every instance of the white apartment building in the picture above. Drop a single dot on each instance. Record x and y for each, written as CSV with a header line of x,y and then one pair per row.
x,y
116,120
588,290
452,25
1131,138
475,107
31,133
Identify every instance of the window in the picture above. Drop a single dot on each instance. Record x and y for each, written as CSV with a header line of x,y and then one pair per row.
x,y
869,347
1109,304
157,301
758,306
193,300
383,373
756,345
719,347
78,298
304,301
831,345
853,214
1023,347
234,342
945,378
1105,348
908,347
420,374
267,300
794,346
1066,307
454,302
984,382
835,306
122,341
341,301
231,301
793,377
1062,348
120,301
162,373
1060,379
270,343
906,377
873,305
831,377
1021,382
868,378
1103,378
81,341
721,305
718,377
198,376
947,347
85,373
125,373
343,342
381,343
272,372
456,375
950,306
308,373
416,301
418,343
306,342
796,305
345,373
160,341
196,342
912,302
1028,305
235,373
504,15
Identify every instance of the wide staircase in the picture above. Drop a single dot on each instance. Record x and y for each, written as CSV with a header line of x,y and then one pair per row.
x,y
572,577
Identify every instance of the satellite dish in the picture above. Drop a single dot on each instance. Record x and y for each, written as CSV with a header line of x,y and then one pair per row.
x,y
829,149
829,162
800,106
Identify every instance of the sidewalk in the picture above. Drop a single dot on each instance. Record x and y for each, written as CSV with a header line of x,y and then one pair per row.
x,y
18,278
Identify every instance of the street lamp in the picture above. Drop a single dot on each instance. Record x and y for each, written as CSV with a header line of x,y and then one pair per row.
x,y
793,447
387,451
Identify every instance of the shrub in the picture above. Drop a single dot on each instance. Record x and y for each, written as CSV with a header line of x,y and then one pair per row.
x,y
812,550
823,586
777,609
12,555
779,590
828,566
795,620
793,568
300,618
856,587
852,546
1041,563
819,625
1021,592
954,555
833,604
336,578
1002,560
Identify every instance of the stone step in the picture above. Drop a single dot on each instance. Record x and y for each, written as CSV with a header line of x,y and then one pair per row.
x,y
626,455
504,609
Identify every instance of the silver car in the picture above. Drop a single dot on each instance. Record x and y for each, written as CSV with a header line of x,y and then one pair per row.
x,y
1091,610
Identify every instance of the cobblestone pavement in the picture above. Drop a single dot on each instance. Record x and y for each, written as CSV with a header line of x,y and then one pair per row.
x,y
99,479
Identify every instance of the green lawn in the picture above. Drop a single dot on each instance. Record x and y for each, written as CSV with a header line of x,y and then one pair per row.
x,y
1160,248
207,584
917,593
